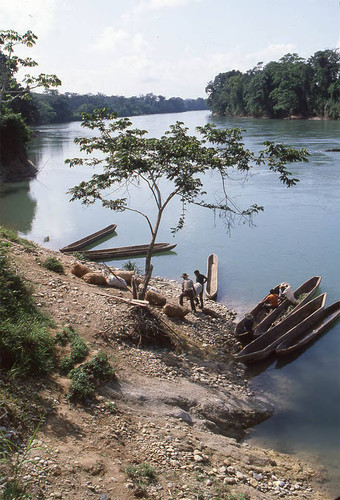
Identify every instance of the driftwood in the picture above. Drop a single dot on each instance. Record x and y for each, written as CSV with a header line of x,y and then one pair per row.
x,y
136,302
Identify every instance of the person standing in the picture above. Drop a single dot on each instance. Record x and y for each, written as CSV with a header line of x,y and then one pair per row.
x,y
201,279
187,291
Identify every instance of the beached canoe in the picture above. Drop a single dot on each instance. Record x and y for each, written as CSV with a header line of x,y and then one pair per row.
x,y
212,277
79,244
121,252
307,333
302,294
263,346
258,313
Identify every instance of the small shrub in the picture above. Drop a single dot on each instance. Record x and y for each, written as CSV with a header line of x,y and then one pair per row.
x,y
86,377
53,264
131,266
79,349
80,256
12,236
141,474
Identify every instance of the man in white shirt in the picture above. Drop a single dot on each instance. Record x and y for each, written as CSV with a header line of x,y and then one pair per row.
x,y
187,291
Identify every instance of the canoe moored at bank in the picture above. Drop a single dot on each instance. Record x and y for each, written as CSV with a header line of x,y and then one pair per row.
x,y
263,346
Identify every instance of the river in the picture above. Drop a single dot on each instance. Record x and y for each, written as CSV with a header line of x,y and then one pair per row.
x,y
296,237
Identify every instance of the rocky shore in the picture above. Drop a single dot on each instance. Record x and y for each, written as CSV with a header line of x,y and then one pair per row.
x,y
169,426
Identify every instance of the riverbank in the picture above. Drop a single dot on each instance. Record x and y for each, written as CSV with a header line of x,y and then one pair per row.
x,y
181,409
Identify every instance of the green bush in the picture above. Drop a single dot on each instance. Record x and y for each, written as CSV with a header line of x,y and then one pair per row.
x,y
86,377
26,346
79,349
53,264
131,266
141,474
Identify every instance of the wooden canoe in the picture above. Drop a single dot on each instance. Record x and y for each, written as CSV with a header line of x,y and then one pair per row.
x,y
258,313
121,252
304,336
79,244
260,348
302,294
212,277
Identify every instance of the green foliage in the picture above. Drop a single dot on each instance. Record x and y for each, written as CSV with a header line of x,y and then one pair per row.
x,y
141,474
291,86
86,377
10,64
55,108
173,165
12,236
14,458
53,264
79,349
25,343
131,266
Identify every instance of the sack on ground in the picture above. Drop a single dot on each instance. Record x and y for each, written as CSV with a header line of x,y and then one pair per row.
x,y
126,275
94,279
116,282
79,269
175,311
155,298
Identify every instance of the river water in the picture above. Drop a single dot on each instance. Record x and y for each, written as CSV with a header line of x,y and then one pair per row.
x,y
296,237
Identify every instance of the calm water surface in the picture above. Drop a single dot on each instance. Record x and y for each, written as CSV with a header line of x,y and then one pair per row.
x,y
296,237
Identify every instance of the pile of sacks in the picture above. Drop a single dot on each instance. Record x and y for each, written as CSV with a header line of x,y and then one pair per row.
x,y
120,279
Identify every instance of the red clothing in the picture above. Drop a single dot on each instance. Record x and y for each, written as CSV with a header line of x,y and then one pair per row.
x,y
273,299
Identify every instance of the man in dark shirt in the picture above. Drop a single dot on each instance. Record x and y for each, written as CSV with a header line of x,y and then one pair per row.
x,y
200,278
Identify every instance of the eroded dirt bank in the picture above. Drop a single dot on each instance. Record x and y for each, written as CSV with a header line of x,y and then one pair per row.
x,y
180,409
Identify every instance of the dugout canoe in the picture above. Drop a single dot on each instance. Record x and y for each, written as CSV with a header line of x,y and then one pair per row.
x,y
258,313
302,294
91,238
212,277
307,333
265,345
121,252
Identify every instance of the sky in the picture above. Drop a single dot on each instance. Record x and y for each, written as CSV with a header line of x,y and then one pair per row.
x,y
172,48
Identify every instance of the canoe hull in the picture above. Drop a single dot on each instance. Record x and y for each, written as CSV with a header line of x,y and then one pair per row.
x,y
307,289
122,252
300,339
260,348
79,244
212,277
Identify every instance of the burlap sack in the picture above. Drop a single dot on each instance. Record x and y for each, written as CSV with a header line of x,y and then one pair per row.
x,y
94,279
175,311
154,298
126,275
79,269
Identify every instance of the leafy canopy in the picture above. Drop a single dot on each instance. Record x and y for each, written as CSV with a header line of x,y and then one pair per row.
x,y
172,165
10,63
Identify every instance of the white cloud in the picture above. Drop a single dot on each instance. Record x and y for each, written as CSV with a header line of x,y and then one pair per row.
x,y
270,53
161,4
35,15
120,42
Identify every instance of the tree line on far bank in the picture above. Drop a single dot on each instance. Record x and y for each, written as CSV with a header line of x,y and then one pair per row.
x,y
53,107
290,87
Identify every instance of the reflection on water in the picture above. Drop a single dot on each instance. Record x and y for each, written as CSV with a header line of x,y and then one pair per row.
x,y
17,207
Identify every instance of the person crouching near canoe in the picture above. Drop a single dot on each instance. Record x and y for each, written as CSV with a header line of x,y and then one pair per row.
x,y
187,291
271,301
